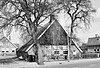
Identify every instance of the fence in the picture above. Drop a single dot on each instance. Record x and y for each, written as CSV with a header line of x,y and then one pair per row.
x,y
90,55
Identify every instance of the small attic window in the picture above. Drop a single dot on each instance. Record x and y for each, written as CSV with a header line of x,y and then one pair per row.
x,y
13,51
7,51
97,38
3,51
94,49
97,49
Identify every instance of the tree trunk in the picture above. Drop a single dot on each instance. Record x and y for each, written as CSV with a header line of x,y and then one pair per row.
x,y
40,55
39,52
70,41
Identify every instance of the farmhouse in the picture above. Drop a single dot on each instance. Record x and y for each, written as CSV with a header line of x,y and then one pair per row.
x,y
53,40
93,44
6,47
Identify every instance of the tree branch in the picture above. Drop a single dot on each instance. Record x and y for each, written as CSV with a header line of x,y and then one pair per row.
x,y
49,15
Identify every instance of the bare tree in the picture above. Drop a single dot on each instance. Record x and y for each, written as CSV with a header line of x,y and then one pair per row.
x,y
79,12
27,14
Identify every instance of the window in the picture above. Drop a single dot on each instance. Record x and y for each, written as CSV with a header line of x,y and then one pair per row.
x,y
65,52
3,51
97,38
7,51
86,49
56,52
97,49
94,49
13,51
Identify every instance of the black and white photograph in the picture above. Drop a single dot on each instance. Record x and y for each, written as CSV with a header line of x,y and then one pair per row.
x,y
49,34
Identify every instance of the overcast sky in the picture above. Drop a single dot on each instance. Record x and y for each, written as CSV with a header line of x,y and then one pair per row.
x,y
95,25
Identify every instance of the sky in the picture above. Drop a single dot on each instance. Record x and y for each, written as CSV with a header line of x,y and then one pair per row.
x,y
95,24
83,35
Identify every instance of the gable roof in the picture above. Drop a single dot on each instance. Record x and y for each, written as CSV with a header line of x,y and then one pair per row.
x,y
4,40
93,41
27,47
74,41
54,35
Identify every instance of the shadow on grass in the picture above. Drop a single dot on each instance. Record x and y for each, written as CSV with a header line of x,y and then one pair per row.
x,y
7,61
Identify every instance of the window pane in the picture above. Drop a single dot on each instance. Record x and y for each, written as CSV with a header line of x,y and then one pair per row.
x,y
7,51
56,52
97,49
65,52
3,51
12,50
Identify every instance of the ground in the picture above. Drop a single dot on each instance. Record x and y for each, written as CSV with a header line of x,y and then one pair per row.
x,y
81,63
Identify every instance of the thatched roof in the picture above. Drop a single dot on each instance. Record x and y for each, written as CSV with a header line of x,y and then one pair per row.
x,y
54,35
29,44
51,34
